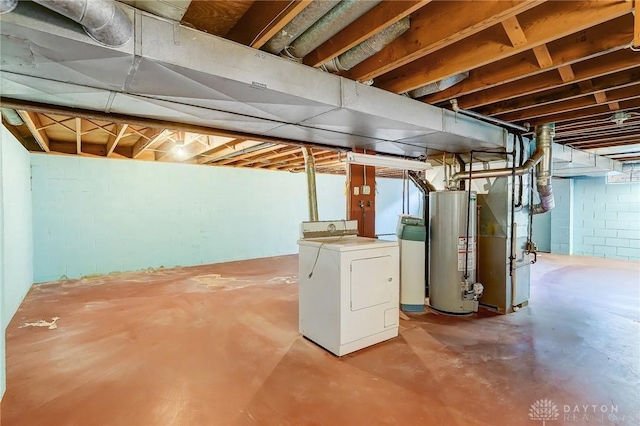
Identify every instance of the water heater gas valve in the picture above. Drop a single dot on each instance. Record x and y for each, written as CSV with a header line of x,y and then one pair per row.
x,y
477,290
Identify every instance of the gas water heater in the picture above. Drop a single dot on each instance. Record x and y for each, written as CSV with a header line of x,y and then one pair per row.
x,y
453,252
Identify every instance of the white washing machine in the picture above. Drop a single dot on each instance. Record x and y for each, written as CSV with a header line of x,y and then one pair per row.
x,y
349,287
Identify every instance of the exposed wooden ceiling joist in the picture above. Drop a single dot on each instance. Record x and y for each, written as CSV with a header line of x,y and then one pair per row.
x,y
598,40
582,71
372,22
428,34
597,112
543,24
263,20
571,104
33,123
596,87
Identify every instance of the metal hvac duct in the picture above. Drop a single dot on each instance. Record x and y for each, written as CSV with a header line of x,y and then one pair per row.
x,y
438,86
367,48
7,6
305,19
329,25
544,139
310,169
102,20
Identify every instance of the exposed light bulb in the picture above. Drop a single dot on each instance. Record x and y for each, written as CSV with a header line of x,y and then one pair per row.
x,y
179,151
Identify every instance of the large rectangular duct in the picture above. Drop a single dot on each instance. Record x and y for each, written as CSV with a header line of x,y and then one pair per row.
x,y
173,73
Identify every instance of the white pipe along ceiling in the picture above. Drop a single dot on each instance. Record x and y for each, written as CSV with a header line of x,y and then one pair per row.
x,y
173,73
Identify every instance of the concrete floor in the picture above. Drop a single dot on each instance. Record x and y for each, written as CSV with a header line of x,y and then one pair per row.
x,y
218,345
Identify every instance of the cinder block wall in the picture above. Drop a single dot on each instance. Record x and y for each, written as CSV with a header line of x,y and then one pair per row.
x,y
98,216
606,219
562,225
16,249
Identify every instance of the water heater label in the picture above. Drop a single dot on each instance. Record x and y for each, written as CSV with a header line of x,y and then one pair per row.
x,y
466,253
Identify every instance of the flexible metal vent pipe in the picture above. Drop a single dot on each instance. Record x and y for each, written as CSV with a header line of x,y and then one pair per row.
x,y
367,48
11,116
438,86
103,20
310,169
544,141
309,15
329,25
7,6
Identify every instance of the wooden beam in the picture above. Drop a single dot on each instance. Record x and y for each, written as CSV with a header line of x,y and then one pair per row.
x,y
428,33
164,151
254,155
19,104
543,24
614,106
113,140
514,31
586,86
636,26
267,158
32,121
298,161
235,146
72,148
592,68
620,133
46,126
371,23
624,94
99,128
596,41
566,73
543,56
151,137
589,87
601,97
78,136
263,20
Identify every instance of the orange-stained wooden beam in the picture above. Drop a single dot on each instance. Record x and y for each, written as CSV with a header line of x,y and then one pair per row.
x,y
545,23
264,19
371,23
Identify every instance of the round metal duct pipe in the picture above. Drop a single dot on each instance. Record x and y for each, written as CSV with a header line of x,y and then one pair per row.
x,y
11,116
305,19
102,20
438,86
7,6
367,48
544,141
329,25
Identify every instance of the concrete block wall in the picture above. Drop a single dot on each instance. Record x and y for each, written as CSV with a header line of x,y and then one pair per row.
x,y
562,222
389,205
98,216
606,219
16,242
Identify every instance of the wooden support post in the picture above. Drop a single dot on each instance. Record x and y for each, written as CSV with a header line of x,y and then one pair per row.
x,y
361,200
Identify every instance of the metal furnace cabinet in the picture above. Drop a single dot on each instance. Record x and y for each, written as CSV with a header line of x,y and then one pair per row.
x,y
349,299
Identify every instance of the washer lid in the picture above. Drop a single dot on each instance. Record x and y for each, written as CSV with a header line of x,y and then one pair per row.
x,y
348,243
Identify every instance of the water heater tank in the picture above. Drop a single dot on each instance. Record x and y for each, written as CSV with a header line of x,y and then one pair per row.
x,y
451,256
